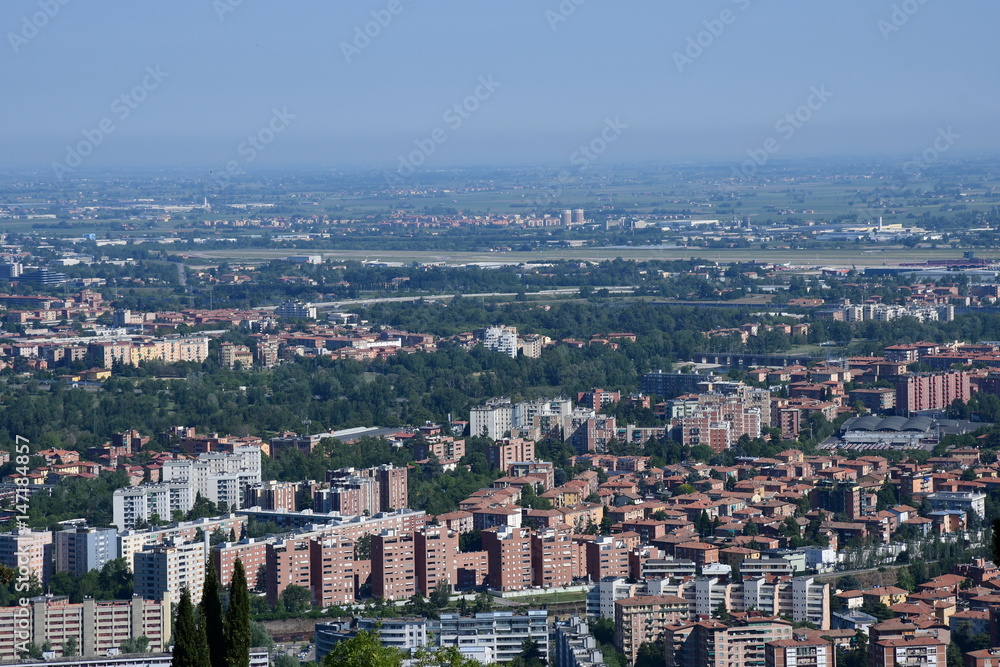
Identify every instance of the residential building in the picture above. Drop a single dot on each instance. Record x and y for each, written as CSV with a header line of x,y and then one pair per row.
x,y
576,647
493,420
501,632
931,391
331,571
435,558
800,651
80,549
509,451
30,551
164,570
644,618
98,627
508,550
394,575
556,558
498,339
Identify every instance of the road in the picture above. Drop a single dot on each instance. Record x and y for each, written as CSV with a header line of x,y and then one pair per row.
x,y
562,291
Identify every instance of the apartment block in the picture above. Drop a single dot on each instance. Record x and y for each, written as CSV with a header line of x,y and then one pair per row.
x,y
800,651
575,646
493,420
28,550
908,651
99,627
512,450
394,575
251,552
645,618
607,556
557,559
272,495
509,555
502,633
498,339
710,643
81,549
163,571
331,571
132,541
435,558
931,391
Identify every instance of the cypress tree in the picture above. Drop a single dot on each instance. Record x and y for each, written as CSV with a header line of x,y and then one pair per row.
x,y
190,648
237,625
211,616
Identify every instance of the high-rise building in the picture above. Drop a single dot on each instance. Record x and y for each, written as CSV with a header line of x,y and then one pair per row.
x,y
567,217
393,487
435,558
607,556
394,575
644,618
509,451
556,558
167,569
296,310
331,571
272,495
508,551
493,420
266,350
931,391
288,564
28,550
251,552
81,549
98,627
711,643
800,651
578,217
499,339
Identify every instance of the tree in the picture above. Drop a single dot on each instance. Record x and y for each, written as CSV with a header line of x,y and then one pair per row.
x,y
138,644
441,595
363,547
190,642
295,599
603,630
722,612
70,647
363,650
211,616
650,655
904,579
483,602
237,622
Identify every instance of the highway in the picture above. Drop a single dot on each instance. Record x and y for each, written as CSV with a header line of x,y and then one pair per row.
x,y
562,291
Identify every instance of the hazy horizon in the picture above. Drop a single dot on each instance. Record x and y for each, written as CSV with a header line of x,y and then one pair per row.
x,y
535,80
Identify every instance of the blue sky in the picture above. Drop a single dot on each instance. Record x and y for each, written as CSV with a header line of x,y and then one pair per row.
x,y
894,84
